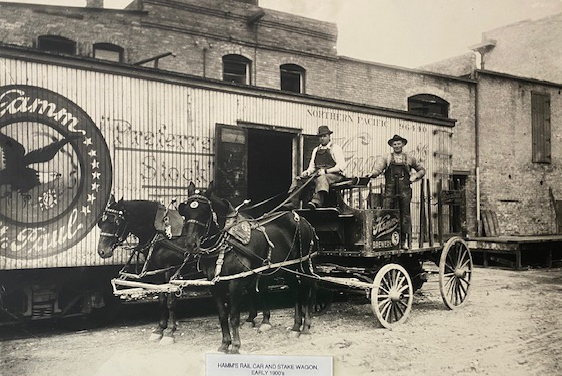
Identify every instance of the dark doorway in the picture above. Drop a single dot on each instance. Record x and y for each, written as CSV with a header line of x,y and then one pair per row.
x,y
270,163
457,211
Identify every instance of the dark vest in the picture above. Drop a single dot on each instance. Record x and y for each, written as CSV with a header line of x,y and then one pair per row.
x,y
323,159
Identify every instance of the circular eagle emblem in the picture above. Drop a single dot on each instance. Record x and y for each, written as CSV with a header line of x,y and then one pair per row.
x,y
55,172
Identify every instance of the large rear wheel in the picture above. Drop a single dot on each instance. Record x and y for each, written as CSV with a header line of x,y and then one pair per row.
x,y
455,272
392,295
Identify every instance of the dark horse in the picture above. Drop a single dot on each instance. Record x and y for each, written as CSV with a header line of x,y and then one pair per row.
x,y
137,217
279,242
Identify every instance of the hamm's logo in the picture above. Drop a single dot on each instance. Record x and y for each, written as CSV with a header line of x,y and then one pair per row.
x,y
55,172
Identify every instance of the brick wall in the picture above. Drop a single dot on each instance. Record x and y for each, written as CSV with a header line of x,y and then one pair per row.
x,y
511,184
21,24
516,49
387,86
461,65
199,32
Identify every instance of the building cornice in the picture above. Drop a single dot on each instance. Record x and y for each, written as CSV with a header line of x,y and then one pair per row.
x,y
410,70
261,45
72,10
518,78
225,14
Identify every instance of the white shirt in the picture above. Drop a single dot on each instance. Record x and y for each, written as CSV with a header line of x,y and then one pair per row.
x,y
337,155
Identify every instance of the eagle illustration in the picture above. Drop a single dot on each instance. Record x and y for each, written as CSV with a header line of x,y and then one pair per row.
x,y
17,172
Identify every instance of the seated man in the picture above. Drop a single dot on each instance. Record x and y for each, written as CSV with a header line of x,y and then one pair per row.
x,y
327,162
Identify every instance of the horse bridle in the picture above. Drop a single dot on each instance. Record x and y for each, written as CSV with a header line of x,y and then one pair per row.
x,y
117,214
194,201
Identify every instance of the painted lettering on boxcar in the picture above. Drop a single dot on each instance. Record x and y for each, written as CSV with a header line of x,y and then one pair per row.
x,y
55,172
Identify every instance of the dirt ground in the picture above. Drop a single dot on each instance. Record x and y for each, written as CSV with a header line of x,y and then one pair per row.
x,y
511,325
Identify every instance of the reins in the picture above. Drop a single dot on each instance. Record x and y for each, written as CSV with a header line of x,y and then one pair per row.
x,y
293,194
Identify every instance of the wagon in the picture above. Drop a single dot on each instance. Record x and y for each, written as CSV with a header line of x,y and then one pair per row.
x,y
360,248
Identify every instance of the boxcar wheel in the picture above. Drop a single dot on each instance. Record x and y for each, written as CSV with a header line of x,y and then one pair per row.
x,y
455,273
392,295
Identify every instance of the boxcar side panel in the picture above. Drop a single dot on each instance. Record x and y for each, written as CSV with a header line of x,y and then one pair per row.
x,y
159,136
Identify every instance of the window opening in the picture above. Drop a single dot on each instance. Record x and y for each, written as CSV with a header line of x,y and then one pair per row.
x,y
108,51
56,43
428,105
236,69
292,78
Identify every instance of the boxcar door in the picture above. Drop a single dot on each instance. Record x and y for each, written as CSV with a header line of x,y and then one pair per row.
x,y
231,163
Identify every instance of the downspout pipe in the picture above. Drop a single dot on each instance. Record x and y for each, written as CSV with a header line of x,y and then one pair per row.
x,y
477,153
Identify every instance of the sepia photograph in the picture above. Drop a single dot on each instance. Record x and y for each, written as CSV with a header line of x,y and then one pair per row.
x,y
280,187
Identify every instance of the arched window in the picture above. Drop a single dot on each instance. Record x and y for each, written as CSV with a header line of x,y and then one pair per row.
x,y
292,78
56,43
108,51
428,104
236,68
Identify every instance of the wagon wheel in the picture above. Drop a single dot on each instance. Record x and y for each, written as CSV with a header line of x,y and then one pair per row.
x,y
455,272
392,295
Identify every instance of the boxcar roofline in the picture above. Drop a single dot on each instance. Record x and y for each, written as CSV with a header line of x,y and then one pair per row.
x,y
154,74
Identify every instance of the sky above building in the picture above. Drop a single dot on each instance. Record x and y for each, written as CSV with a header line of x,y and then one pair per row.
x,y
407,33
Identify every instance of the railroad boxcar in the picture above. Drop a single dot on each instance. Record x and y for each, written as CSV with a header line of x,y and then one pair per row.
x,y
75,130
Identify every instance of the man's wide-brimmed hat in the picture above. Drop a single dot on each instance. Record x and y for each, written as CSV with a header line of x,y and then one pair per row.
x,y
397,138
323,129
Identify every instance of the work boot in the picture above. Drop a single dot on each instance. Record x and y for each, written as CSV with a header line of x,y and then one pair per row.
x,y
317,200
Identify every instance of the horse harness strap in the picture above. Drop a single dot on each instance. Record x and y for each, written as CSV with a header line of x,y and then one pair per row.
x,y
119,214
158,237
280,265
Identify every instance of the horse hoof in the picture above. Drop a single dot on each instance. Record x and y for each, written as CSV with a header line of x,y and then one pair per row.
x,y
264,328
295,333
167,340
248,322
154,337
235,351
223,349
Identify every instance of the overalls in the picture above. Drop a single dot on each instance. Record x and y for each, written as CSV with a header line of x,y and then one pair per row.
x,y
397,186
324,159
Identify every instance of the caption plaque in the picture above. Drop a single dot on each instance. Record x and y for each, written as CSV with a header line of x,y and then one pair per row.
x,y
267,365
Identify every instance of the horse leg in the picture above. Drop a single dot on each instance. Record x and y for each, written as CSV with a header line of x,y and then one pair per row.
x,y
263,298
253,306
309,288
295,289
219,293
157,333
235,291
168,337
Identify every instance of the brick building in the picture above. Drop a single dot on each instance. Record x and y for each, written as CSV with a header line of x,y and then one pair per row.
x,y
239,42
518,124
531,48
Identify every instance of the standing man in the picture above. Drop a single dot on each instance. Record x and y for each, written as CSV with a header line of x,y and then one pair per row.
x,y
397,168
328,162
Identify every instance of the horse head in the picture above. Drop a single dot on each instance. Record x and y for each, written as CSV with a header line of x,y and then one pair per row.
x,y
204,215
113,226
